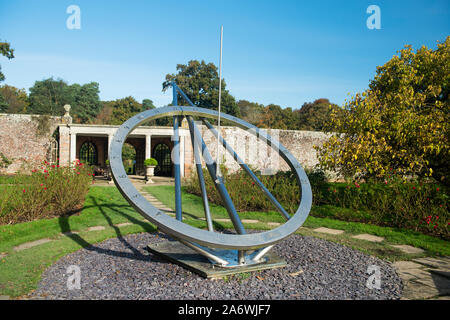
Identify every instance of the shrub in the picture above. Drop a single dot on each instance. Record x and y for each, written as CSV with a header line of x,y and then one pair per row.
x,y
49,191
150,162
395,202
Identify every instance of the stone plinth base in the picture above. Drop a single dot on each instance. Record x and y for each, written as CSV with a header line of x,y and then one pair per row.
x,y
186,257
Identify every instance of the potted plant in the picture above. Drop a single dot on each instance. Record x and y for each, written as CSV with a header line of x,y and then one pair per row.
x,y
150,165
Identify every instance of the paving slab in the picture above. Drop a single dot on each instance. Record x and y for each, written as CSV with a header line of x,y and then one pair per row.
x,y
404,265
250,221
273,224
31,244
329,231
368,237
409,249
69,233
416,291
441,272
123,224
4,297
96,228
442,263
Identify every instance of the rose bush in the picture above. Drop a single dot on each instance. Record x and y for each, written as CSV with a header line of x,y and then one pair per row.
x,y
48,191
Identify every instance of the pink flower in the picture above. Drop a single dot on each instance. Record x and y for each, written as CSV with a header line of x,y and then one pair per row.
x,y
23,190
78,173
41,184
437,189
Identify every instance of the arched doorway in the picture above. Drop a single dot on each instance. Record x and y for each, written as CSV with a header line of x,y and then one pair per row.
x,y
88,153
161,152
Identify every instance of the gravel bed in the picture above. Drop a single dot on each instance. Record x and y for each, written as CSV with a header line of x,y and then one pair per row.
x,y
121,268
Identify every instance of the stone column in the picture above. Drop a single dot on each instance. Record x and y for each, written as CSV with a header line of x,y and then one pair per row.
x,y
73,147
148,146
110,138
64,145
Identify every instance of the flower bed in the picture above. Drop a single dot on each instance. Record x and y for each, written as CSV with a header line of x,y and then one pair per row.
x,y
48,191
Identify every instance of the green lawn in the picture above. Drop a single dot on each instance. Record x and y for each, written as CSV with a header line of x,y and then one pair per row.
x,y
192,206
104,206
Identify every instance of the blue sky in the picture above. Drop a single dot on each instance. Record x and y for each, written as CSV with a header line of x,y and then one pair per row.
x,y
282,52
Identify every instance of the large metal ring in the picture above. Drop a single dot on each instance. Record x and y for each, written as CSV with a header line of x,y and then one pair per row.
x,y
183,231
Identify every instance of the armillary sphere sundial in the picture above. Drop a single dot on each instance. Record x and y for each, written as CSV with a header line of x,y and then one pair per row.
x,y
242,250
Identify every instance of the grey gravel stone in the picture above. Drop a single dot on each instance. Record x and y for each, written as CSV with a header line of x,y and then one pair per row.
x,y
121,268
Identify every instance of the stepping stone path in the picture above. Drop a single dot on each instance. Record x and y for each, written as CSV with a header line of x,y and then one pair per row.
x,y
425,278
409,249
123,224
368,237
31,244
328,230
96,228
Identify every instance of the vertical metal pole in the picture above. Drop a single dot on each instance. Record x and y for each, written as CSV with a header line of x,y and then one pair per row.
x,y
219,174
211,166
198,165
176,160
241,257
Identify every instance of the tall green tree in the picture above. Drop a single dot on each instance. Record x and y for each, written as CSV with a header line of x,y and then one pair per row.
x,y
86,101
8,52
123,109
200,82
315,116
49,97
401,123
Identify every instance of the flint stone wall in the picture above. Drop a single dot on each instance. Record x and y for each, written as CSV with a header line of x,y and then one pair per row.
x,y
259,155
25,140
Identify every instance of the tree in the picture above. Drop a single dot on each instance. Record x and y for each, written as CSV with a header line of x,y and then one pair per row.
x,y
200,82
147,104
314,116
123,109
6,51
401,123
250,111
49,97
86,102
13,100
